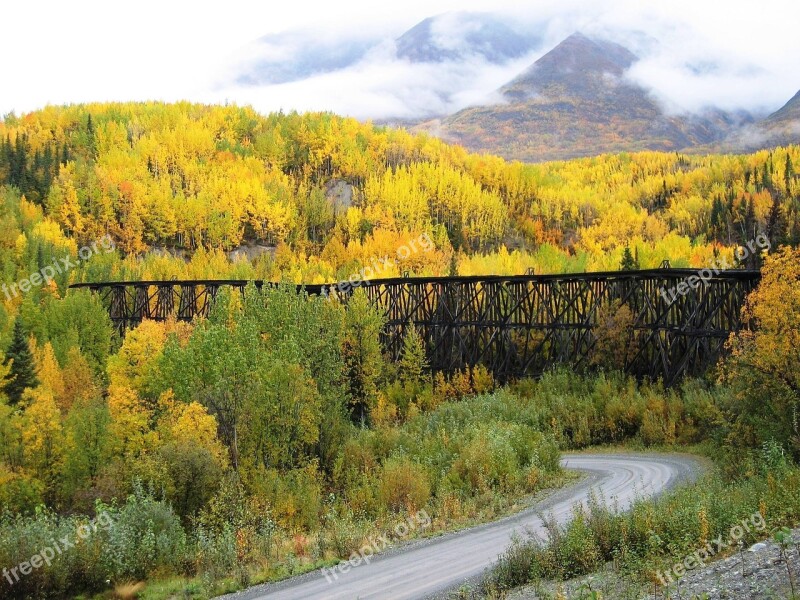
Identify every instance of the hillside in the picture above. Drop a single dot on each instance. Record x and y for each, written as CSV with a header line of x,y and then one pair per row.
x,y
275,435
779,129
185,189
575,101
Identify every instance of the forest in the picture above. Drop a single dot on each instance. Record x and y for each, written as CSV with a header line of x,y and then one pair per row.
x,y
271,437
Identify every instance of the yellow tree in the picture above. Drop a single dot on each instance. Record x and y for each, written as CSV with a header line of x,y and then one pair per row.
x,y
764,361
42,437
50,375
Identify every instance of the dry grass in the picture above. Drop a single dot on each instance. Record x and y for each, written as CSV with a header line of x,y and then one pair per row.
x,y
128,590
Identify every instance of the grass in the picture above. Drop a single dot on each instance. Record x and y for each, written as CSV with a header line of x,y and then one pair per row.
x,y
200,588
654,534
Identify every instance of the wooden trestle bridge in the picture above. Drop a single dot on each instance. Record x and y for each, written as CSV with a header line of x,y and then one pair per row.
x,y
517,325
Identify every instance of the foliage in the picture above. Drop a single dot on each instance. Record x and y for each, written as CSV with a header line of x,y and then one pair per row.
x,y
273,433
361,352
21,375
654,534
764,364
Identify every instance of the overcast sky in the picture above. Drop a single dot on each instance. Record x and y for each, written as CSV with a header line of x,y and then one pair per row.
x,y
694,53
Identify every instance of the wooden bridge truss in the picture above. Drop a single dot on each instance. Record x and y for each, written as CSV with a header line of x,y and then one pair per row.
x,y
516,326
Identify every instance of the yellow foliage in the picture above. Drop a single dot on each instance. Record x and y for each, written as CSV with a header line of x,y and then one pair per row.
x,y
192,425
42,433
129,430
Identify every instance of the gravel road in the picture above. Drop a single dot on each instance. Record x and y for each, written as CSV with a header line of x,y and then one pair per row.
x,y
429,568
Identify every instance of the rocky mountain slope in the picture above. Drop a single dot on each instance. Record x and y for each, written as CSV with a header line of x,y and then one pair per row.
x,y
576,101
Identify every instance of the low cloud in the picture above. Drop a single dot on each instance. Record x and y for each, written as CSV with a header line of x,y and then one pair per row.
x,y
322,55
377,85
691,58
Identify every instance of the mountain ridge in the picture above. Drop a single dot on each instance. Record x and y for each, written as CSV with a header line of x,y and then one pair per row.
x,y
576,101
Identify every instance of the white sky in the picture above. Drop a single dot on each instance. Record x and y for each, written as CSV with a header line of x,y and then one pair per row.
x,y
54,52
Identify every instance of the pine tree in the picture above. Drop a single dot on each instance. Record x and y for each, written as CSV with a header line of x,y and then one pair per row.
x,y
91,145
776,223
749,221
413,362
788,175
629,263
453,269
22,374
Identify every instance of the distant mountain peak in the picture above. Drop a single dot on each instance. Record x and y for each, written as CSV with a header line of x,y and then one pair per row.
x,y
458,35
579,64
576,101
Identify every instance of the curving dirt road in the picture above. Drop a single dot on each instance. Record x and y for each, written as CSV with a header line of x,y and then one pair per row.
x,y
430,567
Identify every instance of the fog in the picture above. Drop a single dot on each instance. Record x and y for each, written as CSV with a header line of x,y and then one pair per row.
x,y
342,57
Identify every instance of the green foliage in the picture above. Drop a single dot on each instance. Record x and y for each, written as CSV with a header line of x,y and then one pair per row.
x,y
21,375
146,536
629,263
132,541
654,534
268,366
413,366
361,353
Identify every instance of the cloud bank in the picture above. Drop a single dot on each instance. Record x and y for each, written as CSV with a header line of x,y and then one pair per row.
x,y
692,58
341,56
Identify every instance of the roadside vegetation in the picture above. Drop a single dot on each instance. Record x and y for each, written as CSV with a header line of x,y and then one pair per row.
x,y
753,436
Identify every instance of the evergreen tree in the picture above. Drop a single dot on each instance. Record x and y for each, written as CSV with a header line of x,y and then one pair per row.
x,y
453,269
361,352
91,144
776,224
413,362
788,174
629,263
22,374
749,221
766,179
717,217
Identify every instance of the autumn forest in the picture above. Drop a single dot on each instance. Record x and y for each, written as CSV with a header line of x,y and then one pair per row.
x,y
270,438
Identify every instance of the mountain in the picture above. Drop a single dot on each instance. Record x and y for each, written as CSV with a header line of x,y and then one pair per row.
x,y
297,55
461,35
788,114
575,101
781,128
457,37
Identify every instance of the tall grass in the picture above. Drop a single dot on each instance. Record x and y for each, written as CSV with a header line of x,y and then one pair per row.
x,y
654,534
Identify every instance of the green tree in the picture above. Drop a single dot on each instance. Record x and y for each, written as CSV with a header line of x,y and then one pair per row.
x,y
361,351
413,360
788,174
629,263
22,374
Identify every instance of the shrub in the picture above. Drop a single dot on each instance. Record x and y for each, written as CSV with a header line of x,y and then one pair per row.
x,y
404,485
146,537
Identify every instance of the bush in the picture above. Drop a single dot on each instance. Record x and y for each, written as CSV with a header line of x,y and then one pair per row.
x,y
404,485
142,537
146,537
